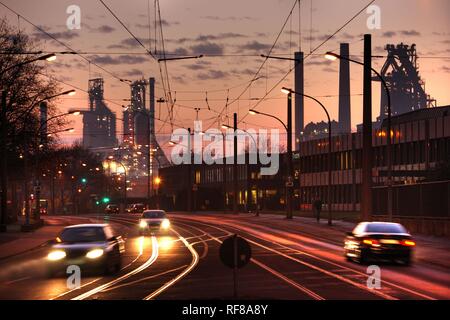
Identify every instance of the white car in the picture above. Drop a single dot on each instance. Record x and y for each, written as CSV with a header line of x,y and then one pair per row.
x,y
153,221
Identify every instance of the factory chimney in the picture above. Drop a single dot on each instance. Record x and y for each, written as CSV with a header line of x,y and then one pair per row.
x,y
344,90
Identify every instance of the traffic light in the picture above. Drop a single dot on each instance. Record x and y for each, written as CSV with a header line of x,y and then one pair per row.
x,y
97,202
83,180
105,200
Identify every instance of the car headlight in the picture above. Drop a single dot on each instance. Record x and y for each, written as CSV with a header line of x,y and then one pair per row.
x,y
56,255
94,254
165,224
143,224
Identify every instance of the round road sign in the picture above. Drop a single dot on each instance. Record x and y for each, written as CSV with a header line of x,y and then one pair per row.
x,y
235,252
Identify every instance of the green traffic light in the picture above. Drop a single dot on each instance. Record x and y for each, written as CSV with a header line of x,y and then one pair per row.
x,y
105,200
97,202
83,180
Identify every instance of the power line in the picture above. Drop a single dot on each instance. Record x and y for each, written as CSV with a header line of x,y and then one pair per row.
x,y
72,51
314,50
126,28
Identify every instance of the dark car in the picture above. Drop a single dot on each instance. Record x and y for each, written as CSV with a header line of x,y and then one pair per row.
x,y
112,208
379,241
89,246
153,221
136,208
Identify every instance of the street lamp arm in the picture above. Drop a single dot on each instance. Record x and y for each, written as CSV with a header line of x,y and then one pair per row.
x,y
274,117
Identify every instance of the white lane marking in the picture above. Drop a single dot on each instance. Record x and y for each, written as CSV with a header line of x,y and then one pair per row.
x,y
267,268
360,286
342,267
195,259
144,279
144,266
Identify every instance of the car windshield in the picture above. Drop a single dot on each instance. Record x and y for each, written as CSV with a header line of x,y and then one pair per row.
x,y
385,228
153,214
82,234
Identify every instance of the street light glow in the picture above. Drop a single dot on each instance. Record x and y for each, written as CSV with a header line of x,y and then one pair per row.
x,y
331,56
253,112
286,90
49,57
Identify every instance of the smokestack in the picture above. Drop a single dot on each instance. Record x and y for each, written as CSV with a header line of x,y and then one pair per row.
x,y
299,100
344,90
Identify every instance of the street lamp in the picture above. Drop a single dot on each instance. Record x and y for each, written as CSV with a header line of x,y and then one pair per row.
x,y
334,56
288,127
180,58
290,91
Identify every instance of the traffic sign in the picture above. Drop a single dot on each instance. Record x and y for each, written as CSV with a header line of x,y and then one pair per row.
x,y
235,252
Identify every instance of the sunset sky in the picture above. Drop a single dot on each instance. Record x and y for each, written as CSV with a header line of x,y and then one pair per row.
x,y
225,29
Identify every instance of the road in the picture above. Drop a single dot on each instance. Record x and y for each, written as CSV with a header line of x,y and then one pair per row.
x,y
288,262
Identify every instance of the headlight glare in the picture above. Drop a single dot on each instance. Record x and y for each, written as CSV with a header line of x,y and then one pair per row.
x,y
94,254
143,224
165,224
56,255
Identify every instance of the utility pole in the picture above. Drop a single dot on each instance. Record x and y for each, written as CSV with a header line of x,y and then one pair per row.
x,y
366,194
190,186
290,179
3,165
235,166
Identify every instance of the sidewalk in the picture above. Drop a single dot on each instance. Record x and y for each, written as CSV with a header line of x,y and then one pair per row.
x,y
14,242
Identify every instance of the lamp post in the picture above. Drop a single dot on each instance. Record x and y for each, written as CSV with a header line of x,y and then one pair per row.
x,y
290,91
333,56
225,126
288,127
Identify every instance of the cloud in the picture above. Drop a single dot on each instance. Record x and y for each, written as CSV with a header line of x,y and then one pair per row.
x,y
389,34
122,59
322,62
212,75
105,29
255,46
329,69
164,22
64,35
229,18
207,48
199,65
409,33
133,73
220,36
446,69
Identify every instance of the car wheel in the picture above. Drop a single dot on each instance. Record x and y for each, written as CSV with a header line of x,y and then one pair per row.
x,y
362,257
406,261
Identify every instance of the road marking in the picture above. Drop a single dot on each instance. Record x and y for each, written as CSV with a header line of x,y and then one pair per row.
x,y
267,268
195,259
144,279
144,266
326,261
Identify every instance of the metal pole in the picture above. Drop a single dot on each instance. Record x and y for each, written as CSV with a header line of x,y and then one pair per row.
x,y
366,194
149,171
389,154
329,172
3,165
189,172
289,154
235,167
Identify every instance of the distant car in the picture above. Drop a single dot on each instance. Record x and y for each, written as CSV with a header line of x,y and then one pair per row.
x,y
89,246
153,221
379,241
112,208
136,208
